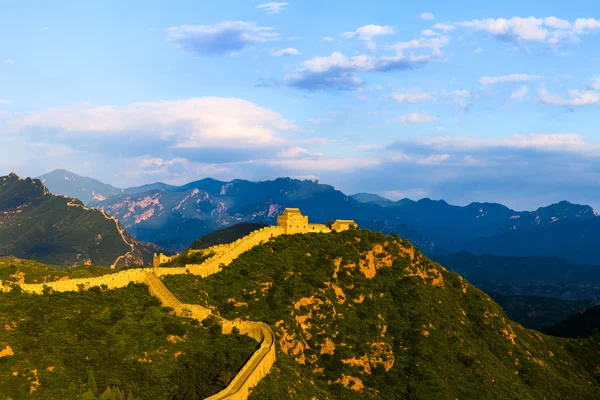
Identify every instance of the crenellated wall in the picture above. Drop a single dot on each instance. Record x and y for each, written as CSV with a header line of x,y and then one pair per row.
x,y
224,254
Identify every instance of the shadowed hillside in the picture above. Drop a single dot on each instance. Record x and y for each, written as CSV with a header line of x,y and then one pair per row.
x,y
38,225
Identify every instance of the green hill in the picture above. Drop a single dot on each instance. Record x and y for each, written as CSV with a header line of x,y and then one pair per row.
x,y
35,224
361,315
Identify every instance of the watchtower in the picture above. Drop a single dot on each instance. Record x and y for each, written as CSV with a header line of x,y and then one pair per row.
x,y
292,221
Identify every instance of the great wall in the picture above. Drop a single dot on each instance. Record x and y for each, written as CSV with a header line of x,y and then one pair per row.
x,y
260,363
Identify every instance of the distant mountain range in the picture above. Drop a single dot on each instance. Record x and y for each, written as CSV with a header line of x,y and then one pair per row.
x,y
58,230
174,216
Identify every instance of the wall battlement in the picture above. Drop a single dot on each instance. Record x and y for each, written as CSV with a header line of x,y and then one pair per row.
x,y
290,222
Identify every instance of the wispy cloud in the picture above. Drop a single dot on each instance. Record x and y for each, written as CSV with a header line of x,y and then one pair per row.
x,y
418,118
459,98
8,61
519,94
411,97
575,98
272,7
487,80
224,37
427,16
289,51
5,101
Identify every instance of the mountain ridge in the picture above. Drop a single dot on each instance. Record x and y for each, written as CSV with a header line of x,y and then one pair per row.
x,y
36,224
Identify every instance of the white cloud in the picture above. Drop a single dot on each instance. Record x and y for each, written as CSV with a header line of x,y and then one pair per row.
x,y
338,71
411,97
596,83
8,61
369,32
435,44
4,101
433,159
478,51
328,39
428,32
556,23
487,80
564,142
427,16
583,25
550,30
293,152
224,37
206,122
519,94
575,98
522,28
417,118
272,7
288,51
444,27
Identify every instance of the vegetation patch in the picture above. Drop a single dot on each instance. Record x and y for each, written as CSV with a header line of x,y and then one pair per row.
x,y
107,344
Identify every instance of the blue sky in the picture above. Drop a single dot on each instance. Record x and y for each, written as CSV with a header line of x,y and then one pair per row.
x,y
464,101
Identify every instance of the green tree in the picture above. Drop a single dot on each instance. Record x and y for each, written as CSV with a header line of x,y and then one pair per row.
x,y
91,382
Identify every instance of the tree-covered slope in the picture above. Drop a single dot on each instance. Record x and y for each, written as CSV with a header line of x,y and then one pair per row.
x,y
38,225
61,346
360,315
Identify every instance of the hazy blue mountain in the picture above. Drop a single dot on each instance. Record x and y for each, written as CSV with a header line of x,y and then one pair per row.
x,y
67,183
580,325
372,198
540,312
175,215
576,240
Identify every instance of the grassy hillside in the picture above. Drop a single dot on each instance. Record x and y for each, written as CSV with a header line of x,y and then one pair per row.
x,y
50,343
13,269
38,225
361,315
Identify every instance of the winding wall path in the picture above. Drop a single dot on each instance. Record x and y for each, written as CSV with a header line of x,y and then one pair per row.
x,y
259,364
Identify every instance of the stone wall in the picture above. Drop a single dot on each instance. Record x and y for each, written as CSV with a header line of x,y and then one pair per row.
x,y
224,254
